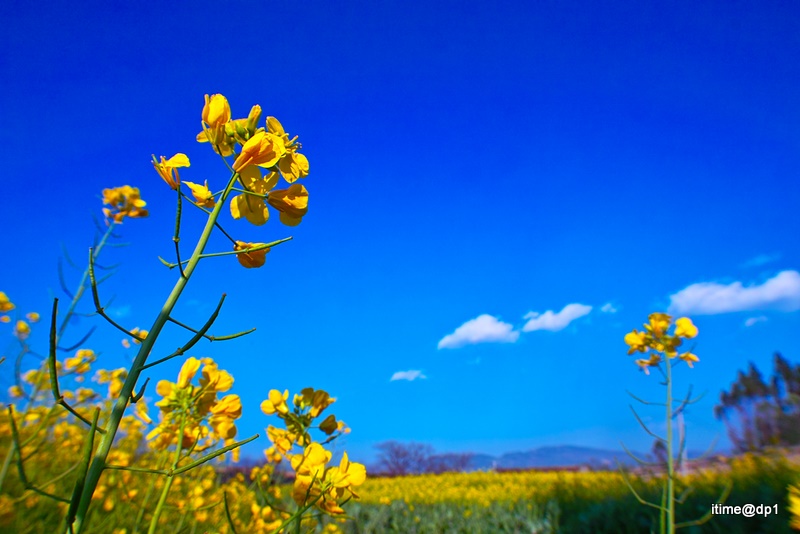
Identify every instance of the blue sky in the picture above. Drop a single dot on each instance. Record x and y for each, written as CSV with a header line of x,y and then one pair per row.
x,y
498,193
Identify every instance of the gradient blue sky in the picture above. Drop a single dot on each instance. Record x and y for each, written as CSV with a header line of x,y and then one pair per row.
x,y
472,165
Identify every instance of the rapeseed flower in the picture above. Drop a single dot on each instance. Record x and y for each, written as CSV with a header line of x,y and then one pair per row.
x,y
685,328
5,304
202,195
263,149
292,203
252,259
168,169
124,201
252,207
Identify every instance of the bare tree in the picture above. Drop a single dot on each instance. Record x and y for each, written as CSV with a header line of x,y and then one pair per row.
x,y
397,459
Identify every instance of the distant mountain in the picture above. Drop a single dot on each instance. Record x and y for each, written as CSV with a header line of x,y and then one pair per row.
x,y
559,456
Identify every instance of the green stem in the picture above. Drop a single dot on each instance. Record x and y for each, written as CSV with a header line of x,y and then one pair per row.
x,y
161,463
162,500
7,463
670,462
118,411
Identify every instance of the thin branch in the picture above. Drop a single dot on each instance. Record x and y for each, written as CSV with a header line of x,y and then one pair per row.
x,y
51,364
138,396
137,469
197,337
99,308
212,338
635,493
61,279
83,340
231,252
638,460
176,238
211,456
644,401
66,256
644,426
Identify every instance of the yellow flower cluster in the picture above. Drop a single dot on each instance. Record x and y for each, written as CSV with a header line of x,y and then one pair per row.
x,y
254,148
315,482
655,337
5,306
22,329
195,410
123,202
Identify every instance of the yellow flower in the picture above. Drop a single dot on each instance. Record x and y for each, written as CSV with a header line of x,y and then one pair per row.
x,y
15,392
276,402
223,426
187,372
318,400
218,129
263,149
5,304
203,197
794,507
637,341
253,207
114,379
292,165
229,406
213,378
216,111
164,388
139,333
5,319
689,358
347,474
124,202
292,203
80,363
252,259
141,412
282,439
168,168
659,322
309,468
32,317
22,330
685,328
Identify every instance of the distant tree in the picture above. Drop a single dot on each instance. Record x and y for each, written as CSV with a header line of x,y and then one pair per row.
x,y
758,413
398,459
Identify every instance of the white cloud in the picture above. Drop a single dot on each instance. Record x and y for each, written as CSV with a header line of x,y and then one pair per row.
x,y
753,320
410,375
608,308
761,259
781,292
483,329
555,321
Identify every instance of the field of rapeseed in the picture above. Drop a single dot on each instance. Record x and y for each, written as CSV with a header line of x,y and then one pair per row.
x,y
572,501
